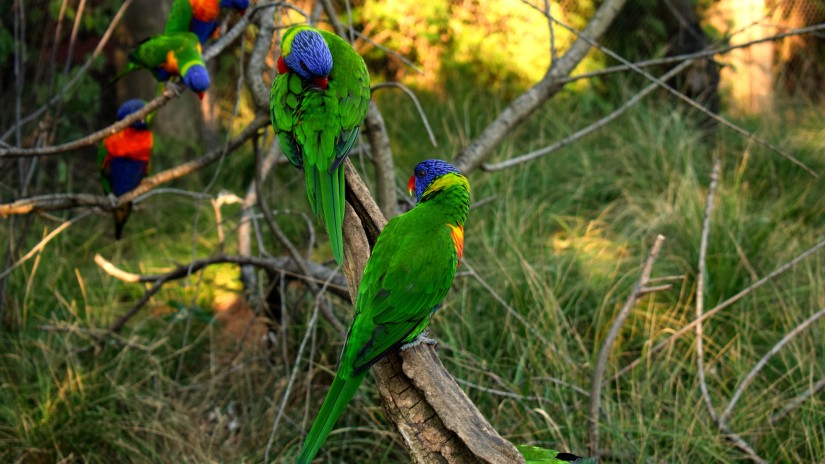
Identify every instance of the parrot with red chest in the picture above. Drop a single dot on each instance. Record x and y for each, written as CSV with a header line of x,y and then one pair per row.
x,y
124,160
200,16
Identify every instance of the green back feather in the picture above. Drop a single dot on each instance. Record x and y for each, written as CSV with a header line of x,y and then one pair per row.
x,y
153,52
179,17
536,455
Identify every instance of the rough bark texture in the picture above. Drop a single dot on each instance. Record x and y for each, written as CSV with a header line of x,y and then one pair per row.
x,y
435,419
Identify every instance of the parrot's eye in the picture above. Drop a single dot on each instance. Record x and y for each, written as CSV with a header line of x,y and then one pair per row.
x,y
305,68
420,173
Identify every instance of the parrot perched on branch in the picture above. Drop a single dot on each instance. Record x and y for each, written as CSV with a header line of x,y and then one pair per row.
x,y
536,455
124,160
317,102
199,16
408,274
167,55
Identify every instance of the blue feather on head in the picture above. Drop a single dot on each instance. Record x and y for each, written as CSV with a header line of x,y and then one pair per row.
x,y
197,79
310,57
132,106
426,172
240,5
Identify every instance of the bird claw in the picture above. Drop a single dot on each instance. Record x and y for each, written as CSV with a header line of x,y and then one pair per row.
x,y
421,338
112,199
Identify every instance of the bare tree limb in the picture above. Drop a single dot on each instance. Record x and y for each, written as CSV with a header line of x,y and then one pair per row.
x,y
75,79
725,304
607,346
471,157
797,401
586,130
749,378
171,91
418,107
69,200
379,141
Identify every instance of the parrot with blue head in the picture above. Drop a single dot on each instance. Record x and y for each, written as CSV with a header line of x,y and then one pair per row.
x,y
317,102
199,16
123,159
406,277
168,55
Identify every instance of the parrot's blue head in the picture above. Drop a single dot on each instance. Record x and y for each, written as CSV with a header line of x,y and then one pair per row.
x,y
132,106
197,79
308,55
426,172
240,5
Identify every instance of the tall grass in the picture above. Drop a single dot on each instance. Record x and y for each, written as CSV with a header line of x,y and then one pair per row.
x,y
561,241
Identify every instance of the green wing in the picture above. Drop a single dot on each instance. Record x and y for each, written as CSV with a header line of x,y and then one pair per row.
x,y
284,107
349,82
403,284
536,455
153,51
104,180
179,17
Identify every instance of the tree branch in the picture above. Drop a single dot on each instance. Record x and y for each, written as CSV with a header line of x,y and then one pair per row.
x,y
525,104
69,200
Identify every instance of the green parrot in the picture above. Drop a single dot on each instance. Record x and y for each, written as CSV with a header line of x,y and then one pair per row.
x,y
536,455
317,102
167,55
408,274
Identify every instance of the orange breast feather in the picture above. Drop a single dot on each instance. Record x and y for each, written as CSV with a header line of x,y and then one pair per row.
x,y
205,10
129,143
457,233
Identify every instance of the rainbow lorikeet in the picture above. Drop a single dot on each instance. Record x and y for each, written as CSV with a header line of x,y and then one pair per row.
x,y
536,455
318,101
124,160
167,55
199,16
408,274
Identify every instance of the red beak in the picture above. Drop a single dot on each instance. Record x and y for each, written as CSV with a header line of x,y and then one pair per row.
x,y
321,82
282,68
411,185
200,95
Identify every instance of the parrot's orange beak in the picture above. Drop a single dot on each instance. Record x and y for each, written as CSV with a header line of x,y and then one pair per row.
x,y
200,95
411,185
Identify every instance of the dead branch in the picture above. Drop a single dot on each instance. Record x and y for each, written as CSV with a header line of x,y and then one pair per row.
x,y
69,200
171,91
104,39
797,401
604,353
586,130
725,304
379,141
471,157
415,101
762,362
700,298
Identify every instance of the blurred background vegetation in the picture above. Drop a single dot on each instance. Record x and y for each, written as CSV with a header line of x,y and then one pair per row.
x,y
199,375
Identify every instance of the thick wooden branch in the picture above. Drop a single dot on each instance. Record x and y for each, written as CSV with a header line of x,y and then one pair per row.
x,y
435,419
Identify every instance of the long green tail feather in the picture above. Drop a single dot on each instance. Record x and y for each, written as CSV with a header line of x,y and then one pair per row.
x,y
338,396
332,201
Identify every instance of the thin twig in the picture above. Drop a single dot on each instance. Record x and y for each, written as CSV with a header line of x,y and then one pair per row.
x,y
700,287
686,328
489,167
797,401
68,200
612,335
79,74
414,98
762,362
